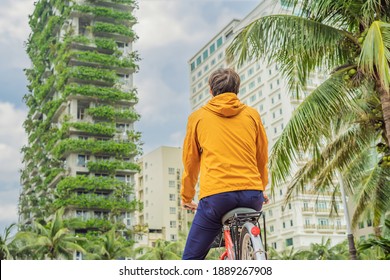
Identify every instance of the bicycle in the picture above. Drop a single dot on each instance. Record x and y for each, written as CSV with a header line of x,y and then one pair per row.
x,y
241,235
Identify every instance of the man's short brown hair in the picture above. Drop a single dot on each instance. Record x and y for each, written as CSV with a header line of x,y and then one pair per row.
x,y
224,80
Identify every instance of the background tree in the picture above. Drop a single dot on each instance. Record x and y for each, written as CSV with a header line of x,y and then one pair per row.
x,y
5,240
162,250
288,254
325,251
109,246
53,241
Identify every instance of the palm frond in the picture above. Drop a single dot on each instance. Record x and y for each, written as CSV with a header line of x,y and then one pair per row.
x,y
373,194
300,45
375,55
310,121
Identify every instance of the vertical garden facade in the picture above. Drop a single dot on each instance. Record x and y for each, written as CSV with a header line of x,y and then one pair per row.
x,y
81,141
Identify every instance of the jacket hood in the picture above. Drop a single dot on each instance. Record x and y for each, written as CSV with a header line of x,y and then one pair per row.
x,y
225,105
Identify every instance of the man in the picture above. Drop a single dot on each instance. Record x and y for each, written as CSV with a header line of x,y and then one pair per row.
x,y
225,142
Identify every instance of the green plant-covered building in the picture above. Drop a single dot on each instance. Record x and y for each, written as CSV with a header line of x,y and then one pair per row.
x,y
81,141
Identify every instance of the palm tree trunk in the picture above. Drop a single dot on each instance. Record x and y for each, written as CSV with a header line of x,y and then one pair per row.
x,y
351,241
384,95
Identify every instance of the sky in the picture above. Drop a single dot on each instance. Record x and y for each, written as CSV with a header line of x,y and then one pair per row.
x,y
170,33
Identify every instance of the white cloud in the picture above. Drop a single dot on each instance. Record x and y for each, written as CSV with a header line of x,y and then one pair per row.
x,y
14,19
166,22
12,138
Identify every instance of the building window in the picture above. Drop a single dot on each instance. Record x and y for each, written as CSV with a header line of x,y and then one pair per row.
x,y
172,184
212,48
270,212
323,222
250,71
369,223
307,222
291,223
81,110
172,210
229,34
83,215
219,42
172,224
289,242
321,205
198,60
82,160
271,229
361,224
252,85
205,54
172,197
192,66
171,170
213,62
173,237
274,245
284,225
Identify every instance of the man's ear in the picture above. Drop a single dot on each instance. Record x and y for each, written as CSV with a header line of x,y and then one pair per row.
x,y
211,93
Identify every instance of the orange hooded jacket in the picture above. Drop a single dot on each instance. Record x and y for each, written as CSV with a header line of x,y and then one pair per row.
x,y
225,142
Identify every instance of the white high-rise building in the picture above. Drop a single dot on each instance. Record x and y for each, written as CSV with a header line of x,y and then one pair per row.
x,y
158,188
305,219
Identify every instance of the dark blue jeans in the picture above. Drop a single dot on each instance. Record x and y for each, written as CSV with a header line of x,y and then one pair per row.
x,y
207,221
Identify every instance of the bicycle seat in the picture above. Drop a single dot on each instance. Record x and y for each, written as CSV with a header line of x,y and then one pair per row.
x,y
240,211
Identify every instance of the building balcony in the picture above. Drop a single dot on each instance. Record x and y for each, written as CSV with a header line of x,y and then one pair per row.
x,y
309,228
114,5
59,111
341,228
120,70
92,48
325,228
90,82
308,210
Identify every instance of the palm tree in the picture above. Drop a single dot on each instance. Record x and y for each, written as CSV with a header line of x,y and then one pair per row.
x,y
4,243
325,251
343,119
287,254
53,241
162,250
110,246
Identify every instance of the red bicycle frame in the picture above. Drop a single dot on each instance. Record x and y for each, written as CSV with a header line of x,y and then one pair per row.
x,y
229,246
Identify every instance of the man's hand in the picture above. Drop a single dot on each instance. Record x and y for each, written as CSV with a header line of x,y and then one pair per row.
x,y
266,199
189,205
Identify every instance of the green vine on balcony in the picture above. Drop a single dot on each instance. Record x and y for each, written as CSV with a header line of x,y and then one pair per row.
x,y
94,223
111,166
92,74
104,129
97,201
100,58
109,112
113,28
103,93
91,184
91,146
104,12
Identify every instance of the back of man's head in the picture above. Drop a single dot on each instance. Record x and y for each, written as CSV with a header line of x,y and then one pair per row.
x,y
224,80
